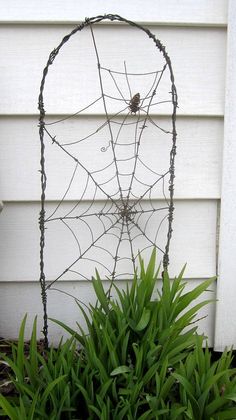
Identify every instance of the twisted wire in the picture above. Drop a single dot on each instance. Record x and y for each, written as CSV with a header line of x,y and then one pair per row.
x,y
128,212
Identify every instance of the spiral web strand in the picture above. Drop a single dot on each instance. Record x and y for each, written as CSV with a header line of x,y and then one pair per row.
x,y
117,215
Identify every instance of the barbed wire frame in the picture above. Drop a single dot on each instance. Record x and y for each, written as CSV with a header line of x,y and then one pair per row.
x,y
120,209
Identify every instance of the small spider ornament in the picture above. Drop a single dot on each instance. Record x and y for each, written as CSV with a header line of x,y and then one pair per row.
x,y
134,103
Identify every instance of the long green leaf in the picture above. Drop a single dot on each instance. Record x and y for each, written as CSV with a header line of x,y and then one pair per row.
x,y
33,406
187,386
104,389
231,397
95,410
189,297
100,293
8,409
22,409
147,415
20,348
77,336
229,414
111,349
150,373
120,370
215,405
96,362
150,272
50,387
144,320
32,366
188,316
176,286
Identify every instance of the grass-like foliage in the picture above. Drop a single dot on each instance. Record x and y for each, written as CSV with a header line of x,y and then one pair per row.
x,y
44,388
140,358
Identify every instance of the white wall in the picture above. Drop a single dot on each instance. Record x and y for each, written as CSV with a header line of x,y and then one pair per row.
x,y
225,331
195,36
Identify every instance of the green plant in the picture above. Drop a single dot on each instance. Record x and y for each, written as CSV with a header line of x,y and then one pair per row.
x,y
42,383
134,342
141,358
207,389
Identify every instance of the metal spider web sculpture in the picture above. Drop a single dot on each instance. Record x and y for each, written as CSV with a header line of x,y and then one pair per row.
x,y
117,198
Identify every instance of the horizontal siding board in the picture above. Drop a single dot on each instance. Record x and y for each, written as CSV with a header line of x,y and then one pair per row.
x,y
198,161
26,299
202,12
198,57
193,241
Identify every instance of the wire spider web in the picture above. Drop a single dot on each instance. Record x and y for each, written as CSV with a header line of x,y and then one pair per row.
x,y
117,171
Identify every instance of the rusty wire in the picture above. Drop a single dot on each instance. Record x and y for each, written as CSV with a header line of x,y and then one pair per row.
x,y
122,214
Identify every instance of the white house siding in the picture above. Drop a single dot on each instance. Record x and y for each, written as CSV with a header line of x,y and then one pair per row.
x,y
225,331
195,36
